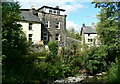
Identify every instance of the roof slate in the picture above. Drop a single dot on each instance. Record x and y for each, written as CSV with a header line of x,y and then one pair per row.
x,y
26,16
89,29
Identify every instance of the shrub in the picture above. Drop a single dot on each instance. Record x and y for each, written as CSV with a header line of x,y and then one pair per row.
x,y
96,61
53,46
113,73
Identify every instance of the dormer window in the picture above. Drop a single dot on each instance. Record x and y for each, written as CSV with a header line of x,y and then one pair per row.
x,y
54,11
58,12
50,11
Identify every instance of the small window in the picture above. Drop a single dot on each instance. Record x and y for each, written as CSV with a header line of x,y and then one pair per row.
x,y
54,11
57,26
45,36
57,37
58,12
30,37
50,11
90,40
30,26
88,34
47,24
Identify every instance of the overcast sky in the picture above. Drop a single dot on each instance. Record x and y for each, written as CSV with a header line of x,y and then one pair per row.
x,y
78,11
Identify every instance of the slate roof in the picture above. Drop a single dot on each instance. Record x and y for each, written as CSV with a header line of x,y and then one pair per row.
x,y
89,30
26,16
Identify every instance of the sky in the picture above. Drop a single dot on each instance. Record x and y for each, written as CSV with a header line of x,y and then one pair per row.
x,y
77,11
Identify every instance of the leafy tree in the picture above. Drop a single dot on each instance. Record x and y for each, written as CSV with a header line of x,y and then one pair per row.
x,y
109,28
14,43
71,33
78,36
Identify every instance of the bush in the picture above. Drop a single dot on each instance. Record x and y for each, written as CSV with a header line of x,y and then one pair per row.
x,y
96,61
53,47
113,73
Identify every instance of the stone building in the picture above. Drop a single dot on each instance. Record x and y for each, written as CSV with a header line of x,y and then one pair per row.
x,y
31,25
54,23
52,20
89,35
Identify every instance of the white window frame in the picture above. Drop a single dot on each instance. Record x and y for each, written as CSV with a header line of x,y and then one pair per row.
x,y
45,36
57,37
55,11
47,23
50,10
58,12
57,25
30,37
30,25
91,40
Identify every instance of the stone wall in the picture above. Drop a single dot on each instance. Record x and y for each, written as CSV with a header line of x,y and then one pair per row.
x,y
52,30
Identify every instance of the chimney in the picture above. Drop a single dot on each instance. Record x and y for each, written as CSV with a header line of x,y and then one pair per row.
x,y
32,7
83,24
32,10
93,24
57,7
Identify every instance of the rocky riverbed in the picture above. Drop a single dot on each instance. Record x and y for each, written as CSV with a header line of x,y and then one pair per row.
x,y
82,79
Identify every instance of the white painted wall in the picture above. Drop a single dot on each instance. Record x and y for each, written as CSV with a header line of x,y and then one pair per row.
x,y
36,31
92,36
47,11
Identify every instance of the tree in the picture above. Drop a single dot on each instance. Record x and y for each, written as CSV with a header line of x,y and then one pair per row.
x,y
14,43
109,28
71,33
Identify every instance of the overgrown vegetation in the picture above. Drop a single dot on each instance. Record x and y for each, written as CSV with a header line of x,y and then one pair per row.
x,y
20,65
71,33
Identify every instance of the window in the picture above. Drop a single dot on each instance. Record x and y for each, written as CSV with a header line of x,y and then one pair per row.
x,y
30,26
54,11
90,40
45,36
47,24
30,37
50,11
57,37
58,12
57,26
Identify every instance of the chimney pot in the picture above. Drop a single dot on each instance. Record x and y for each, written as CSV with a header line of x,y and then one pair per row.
x,y
93,24
57,7
32,7
83,24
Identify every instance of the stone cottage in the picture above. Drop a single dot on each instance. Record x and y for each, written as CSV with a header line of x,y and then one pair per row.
x,y
89,35
44,24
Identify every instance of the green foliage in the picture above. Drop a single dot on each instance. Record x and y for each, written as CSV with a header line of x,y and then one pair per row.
x,y
112,76
108,28
78,36
53,46
47,72
96,61
108,31
71,33
14,44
